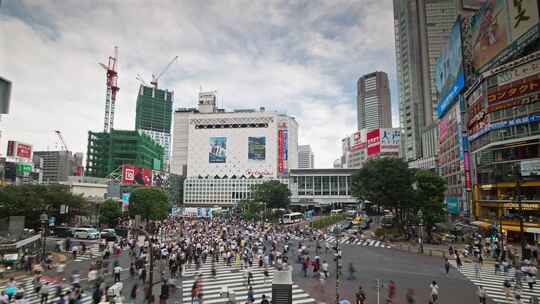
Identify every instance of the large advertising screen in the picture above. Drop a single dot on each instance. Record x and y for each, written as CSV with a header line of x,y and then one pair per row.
x,y
218,150
373,142
257,148
450,80
133,175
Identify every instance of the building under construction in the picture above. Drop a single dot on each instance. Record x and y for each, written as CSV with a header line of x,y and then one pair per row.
x,y
154,114
107,151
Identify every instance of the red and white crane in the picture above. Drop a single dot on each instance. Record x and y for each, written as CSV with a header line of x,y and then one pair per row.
x,y
112,90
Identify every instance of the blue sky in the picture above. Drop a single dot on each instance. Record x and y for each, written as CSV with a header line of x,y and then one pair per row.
x,y
299,57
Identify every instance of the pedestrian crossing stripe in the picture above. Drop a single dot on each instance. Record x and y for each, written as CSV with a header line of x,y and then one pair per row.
x,y
235,279
493,283
366,243
27,286
90,253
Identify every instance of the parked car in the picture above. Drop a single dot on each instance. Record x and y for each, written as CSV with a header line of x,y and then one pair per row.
x,y
86,233
63,232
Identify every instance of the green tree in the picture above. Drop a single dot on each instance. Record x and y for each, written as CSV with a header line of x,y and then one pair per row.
x,y
110,212
149,203
250,209
273,194
386,182
31,200
429,193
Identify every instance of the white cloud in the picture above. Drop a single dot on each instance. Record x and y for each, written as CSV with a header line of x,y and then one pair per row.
x,y
303,57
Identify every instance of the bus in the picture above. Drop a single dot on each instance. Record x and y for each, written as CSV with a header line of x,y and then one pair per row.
x,y
336,211
290,218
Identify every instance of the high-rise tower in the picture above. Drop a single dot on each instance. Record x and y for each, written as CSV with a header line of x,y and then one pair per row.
x,y
421,32
373,101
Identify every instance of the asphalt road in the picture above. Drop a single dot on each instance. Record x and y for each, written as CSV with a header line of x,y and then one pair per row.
x,y
407,270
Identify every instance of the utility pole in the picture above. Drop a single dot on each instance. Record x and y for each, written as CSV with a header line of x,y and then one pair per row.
x,y
518,197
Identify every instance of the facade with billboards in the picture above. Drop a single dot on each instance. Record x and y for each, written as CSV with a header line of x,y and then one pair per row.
x,y
229,152
449,83
503,120
383,142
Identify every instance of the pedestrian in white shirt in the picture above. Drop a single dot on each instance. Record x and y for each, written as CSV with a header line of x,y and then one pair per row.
x,y
434,291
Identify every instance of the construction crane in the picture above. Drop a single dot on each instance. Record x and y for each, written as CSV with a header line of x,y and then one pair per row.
x,y
112,90
155,78
64,146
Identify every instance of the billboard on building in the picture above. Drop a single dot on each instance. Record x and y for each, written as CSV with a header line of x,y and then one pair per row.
x,y
257,148
443,128
489,31
19,150
389,140
218,150
452,205
523,16
133,175
359,140
281,161
498,24
450,79
373,142
160,178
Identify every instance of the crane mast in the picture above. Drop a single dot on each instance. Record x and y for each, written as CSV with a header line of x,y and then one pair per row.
x,y
112,89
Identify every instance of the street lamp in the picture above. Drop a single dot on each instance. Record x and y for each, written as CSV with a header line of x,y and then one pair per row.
x,y
421,225
44,219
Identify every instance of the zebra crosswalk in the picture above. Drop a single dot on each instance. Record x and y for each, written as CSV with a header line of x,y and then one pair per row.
x,y
493,283
91,253
356,241
27,287
234,279
351,241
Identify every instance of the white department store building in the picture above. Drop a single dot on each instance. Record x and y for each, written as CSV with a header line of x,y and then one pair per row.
x,y
223,154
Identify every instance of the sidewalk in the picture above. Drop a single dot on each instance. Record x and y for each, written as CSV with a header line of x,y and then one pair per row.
x,y
21,274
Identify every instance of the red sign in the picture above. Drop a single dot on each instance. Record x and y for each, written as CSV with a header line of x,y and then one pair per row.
x,y
24,151
515,102
281,163
134,175
514,89
373,142
18,149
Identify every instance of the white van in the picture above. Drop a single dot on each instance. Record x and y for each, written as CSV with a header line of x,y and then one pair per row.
x,y
86,233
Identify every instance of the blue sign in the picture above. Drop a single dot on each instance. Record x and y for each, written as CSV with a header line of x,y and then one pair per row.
x,y
51,221
449,77
452,204
506,124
